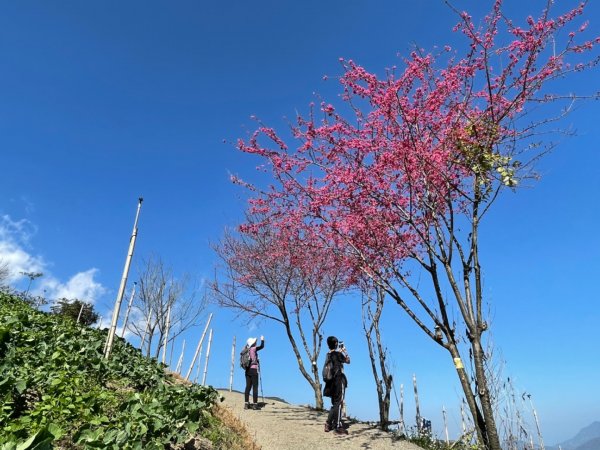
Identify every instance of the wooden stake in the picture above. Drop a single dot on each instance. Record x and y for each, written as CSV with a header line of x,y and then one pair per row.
x,y
417,403
232,365
187,376
207,356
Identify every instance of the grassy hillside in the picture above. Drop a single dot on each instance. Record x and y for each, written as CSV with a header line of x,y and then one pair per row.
x,y
57,391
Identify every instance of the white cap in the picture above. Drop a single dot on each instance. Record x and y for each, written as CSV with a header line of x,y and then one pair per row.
x,y
250,342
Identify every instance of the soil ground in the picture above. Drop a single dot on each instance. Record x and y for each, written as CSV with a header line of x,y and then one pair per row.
x,y
281,426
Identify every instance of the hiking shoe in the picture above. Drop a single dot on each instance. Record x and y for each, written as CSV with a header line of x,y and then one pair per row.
x,y
341,430
255,406
247,406
327,428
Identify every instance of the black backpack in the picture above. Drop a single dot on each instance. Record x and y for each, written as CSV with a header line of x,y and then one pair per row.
x,y
328,371
245,358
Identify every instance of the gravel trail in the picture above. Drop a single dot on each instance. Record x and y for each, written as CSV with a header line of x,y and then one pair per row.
x,y
281,426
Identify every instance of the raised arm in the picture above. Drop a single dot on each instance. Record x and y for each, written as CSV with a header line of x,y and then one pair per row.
x,y
262,343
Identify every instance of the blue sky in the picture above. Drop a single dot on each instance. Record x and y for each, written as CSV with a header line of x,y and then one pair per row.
x,y
101,102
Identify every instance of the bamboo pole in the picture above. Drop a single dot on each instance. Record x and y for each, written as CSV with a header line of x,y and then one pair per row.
x,y
171,353
180,361
187,376
418,410
113,326
232,365
537,425
128,309
198,367
462,417
147,328
166,337
80,311
402,424
207,356
446,425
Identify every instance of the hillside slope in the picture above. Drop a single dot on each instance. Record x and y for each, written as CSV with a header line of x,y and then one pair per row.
x,y
57,391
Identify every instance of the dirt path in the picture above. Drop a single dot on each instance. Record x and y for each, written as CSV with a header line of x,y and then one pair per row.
x,y
281,426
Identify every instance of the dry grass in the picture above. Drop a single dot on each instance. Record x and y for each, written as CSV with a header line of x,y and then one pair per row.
x,y
237,436
177,379
233,423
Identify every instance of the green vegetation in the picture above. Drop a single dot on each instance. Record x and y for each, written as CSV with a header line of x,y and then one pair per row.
x,y
77,310
428,442
57,391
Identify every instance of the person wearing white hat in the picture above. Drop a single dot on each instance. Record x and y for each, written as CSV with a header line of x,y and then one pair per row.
x,y
252,373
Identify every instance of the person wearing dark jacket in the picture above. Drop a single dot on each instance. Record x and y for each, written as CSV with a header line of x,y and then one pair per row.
x,y
336,387
252,373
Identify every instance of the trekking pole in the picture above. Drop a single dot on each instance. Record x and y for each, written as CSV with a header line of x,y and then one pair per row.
x,y
262,393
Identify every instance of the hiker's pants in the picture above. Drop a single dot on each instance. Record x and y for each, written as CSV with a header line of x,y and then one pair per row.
x,y
334,419
251,382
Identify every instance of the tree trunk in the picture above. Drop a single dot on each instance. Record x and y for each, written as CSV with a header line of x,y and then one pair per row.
x,y
315,383
383,383
478,419
384,406
491,438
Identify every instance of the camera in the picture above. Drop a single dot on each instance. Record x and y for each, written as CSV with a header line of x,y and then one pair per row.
x,y
341,345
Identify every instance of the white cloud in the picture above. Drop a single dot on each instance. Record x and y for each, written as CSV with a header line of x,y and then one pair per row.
x,y
19,231
81,286
137,317
14,239
15,251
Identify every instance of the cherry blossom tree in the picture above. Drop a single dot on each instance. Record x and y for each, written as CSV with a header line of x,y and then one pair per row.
x,y
399,178
273,274
372,308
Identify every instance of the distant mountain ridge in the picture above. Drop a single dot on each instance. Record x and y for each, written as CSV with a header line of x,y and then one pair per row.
x,y
594,444
587,438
